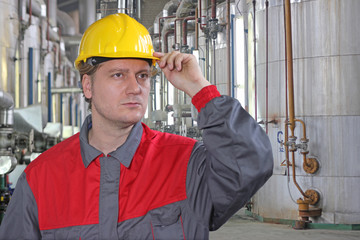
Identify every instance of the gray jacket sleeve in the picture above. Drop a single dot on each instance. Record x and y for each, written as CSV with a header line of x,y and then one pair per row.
x,y
21,217
233,162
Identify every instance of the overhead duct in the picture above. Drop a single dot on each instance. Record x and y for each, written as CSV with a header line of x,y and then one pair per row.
x,y
37,7
186,8
66,23
168,10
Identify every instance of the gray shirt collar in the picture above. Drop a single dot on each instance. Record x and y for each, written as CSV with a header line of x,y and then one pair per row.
x,y
124,154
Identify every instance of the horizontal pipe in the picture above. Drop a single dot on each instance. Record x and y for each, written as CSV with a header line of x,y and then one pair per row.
x,y
66,90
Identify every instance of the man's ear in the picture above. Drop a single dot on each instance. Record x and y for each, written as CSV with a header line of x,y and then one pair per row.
x,y
86,85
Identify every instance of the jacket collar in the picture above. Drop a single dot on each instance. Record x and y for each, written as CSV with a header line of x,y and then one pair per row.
x,y
124,154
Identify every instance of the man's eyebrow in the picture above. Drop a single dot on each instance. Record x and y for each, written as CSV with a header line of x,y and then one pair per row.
x,y
116,69
144,70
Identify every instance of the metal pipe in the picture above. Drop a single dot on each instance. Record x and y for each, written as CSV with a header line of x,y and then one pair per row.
x,y
87,11
228,46
213,8
175,30
166,35
160,18
184,28
31,76
294,175
304,127
61,110
214,62
30,12
254,36
207,51
49,97
51,6
196,29
267,64
202,18
6,100
70,110
121,6
232,57
138,9
286,108
289,64
66,90
48,26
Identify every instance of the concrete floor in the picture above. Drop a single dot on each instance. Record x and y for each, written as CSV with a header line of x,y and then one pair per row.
x,y
241,227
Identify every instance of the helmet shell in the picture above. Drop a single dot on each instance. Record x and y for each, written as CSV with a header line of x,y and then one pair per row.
x,y
115,36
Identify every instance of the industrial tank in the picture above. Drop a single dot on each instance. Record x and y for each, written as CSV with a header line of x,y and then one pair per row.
x,y
8,44
326,60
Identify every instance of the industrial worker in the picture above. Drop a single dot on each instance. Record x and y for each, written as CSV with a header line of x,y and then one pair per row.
x,y
117,178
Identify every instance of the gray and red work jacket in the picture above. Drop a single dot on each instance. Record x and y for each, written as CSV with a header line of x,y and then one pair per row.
x,y
155,186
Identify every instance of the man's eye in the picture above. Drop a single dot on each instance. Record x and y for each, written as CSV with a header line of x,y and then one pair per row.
x,y
118,75
143,76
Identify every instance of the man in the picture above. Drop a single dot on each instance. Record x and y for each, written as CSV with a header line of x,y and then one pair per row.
x,y
118,179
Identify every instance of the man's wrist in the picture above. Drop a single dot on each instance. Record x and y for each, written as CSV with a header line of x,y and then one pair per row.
x,y
205,95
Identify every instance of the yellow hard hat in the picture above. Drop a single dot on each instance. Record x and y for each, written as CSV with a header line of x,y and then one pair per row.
x,y
116,36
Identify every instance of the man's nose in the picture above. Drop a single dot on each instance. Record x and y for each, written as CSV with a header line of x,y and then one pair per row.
x,y
133,86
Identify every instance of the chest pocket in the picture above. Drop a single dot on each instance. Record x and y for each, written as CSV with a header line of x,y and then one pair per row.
x,y
61,233
166,223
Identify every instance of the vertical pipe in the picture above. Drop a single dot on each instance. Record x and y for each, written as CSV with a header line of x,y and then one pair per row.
x,y
70,111
254,36
87,11
138,9
184,28
213,9
196,29
207,50
232,57
166,35
286,106
76,115
175,31
49,97
214,62
160,18
154,107
31,76
267,64
48,26
228,46
61,109
289,64
30,11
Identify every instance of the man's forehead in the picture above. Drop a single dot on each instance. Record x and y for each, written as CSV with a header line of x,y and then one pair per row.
x,y
126,64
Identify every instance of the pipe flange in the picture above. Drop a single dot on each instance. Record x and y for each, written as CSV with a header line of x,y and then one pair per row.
x,y
311,165
313,196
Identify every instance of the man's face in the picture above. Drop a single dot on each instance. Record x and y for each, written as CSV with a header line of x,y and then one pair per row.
x,y
119,91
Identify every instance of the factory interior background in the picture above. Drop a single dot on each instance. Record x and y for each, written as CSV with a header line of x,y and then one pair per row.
x,y
294,65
